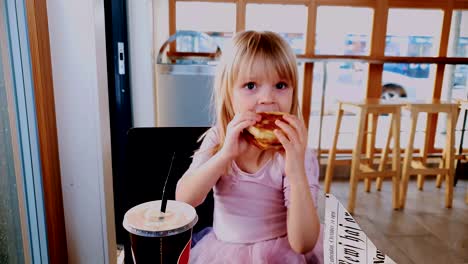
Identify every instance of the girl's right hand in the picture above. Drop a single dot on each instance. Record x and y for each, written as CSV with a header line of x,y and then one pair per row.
x,y
233,143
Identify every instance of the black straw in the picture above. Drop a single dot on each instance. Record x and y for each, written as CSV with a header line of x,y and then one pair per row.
x,y
163,199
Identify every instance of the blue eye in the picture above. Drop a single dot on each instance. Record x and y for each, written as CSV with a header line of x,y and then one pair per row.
x,y
281,85
250,85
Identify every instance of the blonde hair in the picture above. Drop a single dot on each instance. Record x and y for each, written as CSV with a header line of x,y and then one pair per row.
x,y
238,57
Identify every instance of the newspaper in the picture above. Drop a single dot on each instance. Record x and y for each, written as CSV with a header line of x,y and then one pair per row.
x,y
344,241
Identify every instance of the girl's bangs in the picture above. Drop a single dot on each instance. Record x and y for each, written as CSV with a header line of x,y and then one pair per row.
x,y
262,63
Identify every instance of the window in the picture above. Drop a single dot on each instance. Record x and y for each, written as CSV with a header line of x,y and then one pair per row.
x,y
348,35
290,21
348,30
458,44
455,85
413,32
413,81
218,21
343,82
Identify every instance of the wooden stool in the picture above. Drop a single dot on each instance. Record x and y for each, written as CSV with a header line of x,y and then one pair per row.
x,y
466,197
419,167
362,168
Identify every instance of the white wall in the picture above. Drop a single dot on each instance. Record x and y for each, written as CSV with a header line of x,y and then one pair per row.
x,y
140,38
148,28
77,40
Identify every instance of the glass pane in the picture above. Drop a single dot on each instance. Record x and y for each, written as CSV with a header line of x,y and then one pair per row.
x,y
348,35
458,44
454,87
413,32
218,21
344,82
411,81
11,245
272,17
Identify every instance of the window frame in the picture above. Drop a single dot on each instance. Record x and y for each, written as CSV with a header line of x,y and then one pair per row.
x,y
376,58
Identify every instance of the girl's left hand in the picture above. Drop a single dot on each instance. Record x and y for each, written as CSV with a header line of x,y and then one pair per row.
x,y
293,137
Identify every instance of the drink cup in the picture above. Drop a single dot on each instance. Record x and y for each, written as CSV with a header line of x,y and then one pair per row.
x,y
158,237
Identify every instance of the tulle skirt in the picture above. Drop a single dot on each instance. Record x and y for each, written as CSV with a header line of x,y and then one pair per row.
x,y
211,250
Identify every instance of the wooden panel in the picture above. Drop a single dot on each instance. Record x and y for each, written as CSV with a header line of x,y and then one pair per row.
x,y
374,84
307,92
206,55
379,29
431,125
172,23
240,15
311,25
436,60
309,67
318,58
462,4
382,59
208,1
47,129
444,38
418,4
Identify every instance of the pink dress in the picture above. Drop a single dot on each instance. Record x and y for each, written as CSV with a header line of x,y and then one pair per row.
x,y
249,223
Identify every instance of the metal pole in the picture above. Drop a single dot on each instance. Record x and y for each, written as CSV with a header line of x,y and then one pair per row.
x,y
322,106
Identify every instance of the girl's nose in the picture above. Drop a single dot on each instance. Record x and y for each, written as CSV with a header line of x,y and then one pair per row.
x,y
266,96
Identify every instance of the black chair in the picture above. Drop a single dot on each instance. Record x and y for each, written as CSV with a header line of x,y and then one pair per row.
x,y
149,153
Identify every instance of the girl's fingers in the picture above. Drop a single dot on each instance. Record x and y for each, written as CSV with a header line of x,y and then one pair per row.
x,y
298,126
249,116
295,122
253,116
238,118
243,125
282,139
290,132
234,121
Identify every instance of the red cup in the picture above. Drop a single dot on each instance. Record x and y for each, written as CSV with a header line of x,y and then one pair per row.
x,y
160,237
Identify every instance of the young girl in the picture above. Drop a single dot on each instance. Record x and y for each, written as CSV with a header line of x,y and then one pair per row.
x,y
265,201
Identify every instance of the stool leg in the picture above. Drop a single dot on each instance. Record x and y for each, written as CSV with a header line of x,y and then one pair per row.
x,y
332,151
372,128
451,123
466,198
441,176
407,160
423,151
356,161
384,156
421,180
396,158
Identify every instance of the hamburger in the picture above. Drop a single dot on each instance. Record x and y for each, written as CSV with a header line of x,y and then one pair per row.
x,y
261,134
